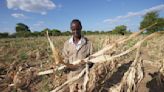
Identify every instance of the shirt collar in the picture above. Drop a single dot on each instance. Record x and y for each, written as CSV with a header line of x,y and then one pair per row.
x,y
81,41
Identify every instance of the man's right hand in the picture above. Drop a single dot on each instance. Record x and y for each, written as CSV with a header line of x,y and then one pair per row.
x,y
72,67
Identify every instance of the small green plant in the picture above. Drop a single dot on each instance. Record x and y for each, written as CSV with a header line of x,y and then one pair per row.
x,y
23,56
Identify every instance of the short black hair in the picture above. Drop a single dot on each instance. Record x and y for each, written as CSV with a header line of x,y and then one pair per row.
x,y
77,21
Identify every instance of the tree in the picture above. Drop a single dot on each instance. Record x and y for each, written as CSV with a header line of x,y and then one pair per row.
x,y
55,32
20,27
66,33
151,18
13,35
120,30
35,34
160,24
96,32
4,35
43,32
89,32
22,30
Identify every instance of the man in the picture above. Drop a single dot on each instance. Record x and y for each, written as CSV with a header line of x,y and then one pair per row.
x,y
77,47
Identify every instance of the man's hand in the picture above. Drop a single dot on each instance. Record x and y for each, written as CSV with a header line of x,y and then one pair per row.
x,y
72,67
89,63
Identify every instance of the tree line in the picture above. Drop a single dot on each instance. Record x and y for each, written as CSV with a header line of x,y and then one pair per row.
x,y
22,30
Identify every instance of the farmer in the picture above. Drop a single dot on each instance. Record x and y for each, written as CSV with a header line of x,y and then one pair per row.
x,y
77,47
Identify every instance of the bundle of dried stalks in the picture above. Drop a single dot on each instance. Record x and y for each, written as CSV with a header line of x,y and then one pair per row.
x,y
131,78
99,74
22,79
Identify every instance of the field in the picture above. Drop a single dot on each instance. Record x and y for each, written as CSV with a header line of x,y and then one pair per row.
x,y
22,54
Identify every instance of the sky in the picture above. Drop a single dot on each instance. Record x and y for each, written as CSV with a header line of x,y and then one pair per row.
x,y
93,14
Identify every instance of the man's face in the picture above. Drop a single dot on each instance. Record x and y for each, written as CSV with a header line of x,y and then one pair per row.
x,y
76,29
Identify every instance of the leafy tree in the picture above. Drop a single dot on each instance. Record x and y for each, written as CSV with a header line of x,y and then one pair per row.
x,y
4,35
66,33
55,32
20,27
22,30
96,32
35,33
13,35
120,30
89,32
160,24
23,34
151,18
103,32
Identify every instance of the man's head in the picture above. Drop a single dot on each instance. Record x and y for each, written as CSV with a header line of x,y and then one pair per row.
x,y
76,28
